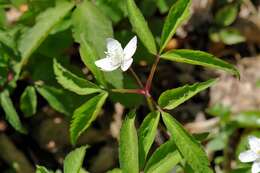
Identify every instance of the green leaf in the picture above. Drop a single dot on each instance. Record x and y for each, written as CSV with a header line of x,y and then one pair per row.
x,y
250,119
7,39
28,101
73,161
18,3
52,95
231,36
188,169
242,170
190,149
114,9
170,99
177,14
41,169
220,141
85,115
163,159
55,45
115,78
162,5
201,136
220,110
213,34
34,36
91,25
3,20
227,15
257,83
196,57
61,100
89,56
146,135
140,26
128,145
82,170
10,112
116,170
72,82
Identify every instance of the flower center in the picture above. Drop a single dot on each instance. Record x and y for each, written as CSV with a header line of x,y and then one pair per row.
x,y
116,56
258,152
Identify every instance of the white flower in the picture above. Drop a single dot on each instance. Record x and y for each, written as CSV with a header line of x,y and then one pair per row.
x,y
116,56
253,154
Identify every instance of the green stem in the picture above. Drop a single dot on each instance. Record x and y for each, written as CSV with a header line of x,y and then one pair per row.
x,y
150,104
136,78
157,106
131,91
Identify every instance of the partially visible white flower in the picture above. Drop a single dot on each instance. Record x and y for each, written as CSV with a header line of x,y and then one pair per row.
x,y
253,154
116,56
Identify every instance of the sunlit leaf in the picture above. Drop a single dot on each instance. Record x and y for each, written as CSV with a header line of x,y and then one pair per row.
x,y
163,159
10,112
177,14
170,99
128,145
34,36
146,135
28,101
85,115
201,58
140,26
41,169
189,148
72,82
73,161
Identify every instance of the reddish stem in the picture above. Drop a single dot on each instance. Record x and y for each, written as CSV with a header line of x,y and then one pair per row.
x,y
131,91
151,75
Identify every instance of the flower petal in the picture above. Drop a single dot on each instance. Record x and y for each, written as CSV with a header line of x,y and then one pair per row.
x,y
106,65
248,156
126,64
113,45
256,167
130,48
254,143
